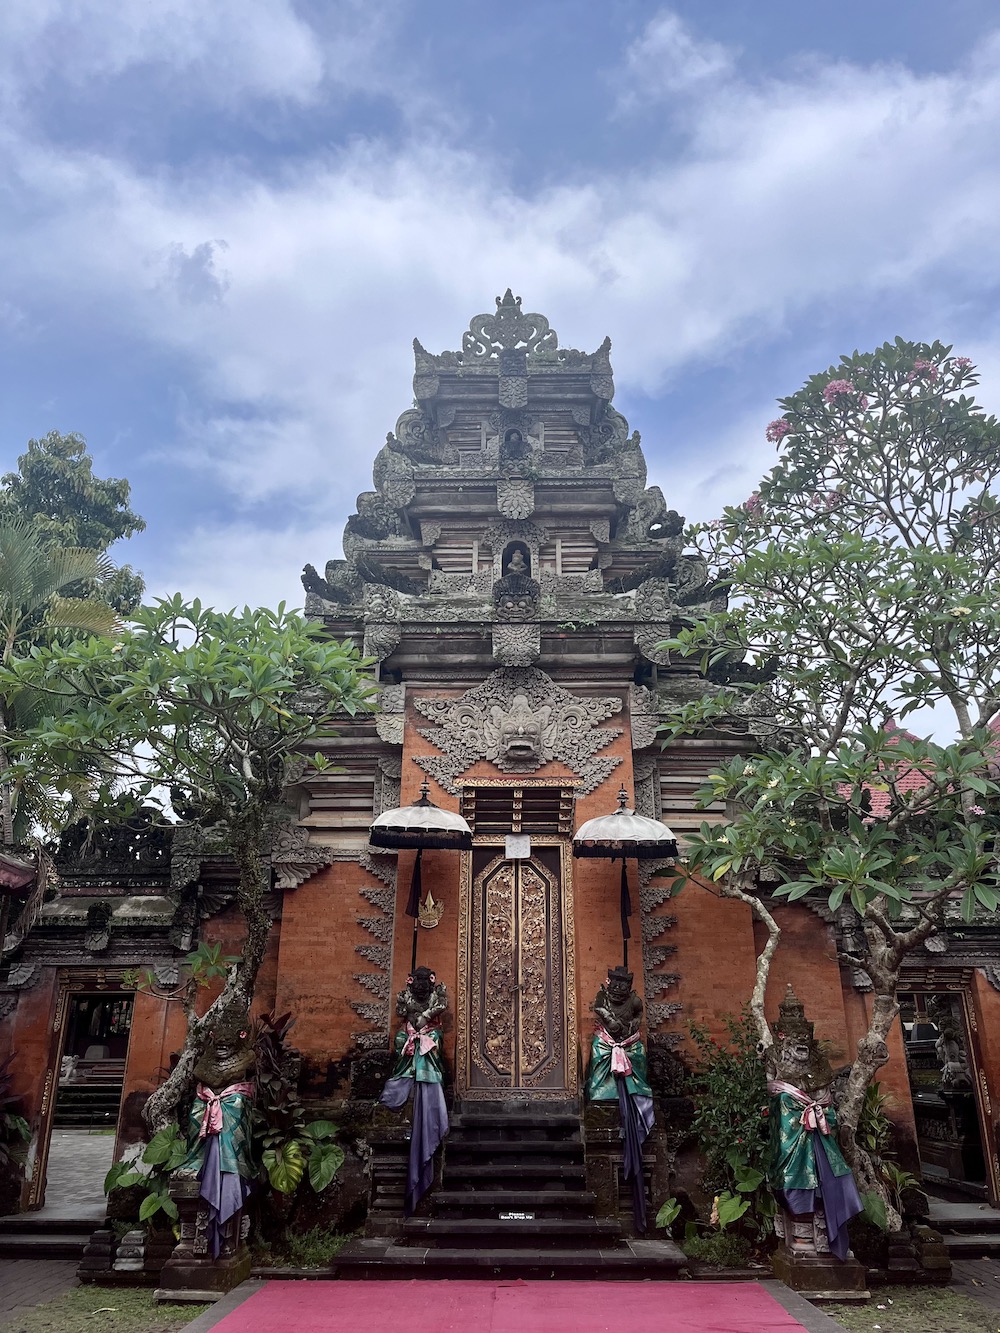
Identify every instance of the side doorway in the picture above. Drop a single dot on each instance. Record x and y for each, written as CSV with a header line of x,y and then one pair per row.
x,y
83,1095
942,1059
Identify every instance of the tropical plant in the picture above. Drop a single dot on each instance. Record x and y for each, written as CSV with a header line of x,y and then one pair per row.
x,y
35,580
217,709
54,490
14,1129
289,1146
863,569
163,1154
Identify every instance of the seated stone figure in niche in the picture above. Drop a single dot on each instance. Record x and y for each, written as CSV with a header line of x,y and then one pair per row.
x,y
807,1173
218,1127
517,562
617,1073
419,1072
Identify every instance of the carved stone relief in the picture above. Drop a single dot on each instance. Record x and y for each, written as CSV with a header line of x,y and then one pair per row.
x,y
383,898
389,718
654,925
293,858
516,645
646,781
519,719
388,773
515,497
643,715
490,335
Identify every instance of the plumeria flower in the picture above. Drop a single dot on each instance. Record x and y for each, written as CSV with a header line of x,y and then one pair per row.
x,y
961,611
777,430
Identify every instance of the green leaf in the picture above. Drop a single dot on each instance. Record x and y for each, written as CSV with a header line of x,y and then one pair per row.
x,y
668,1214
320,1129
875,1210
325,1160
151,1204
161,1146
749,1180
285,1167
731,1209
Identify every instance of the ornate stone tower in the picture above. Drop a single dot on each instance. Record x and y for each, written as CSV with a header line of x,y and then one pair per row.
x,y
513,576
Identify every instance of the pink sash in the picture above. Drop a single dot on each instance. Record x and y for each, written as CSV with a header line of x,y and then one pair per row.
x,y
426,1039
813,1116
211,1121
620,1063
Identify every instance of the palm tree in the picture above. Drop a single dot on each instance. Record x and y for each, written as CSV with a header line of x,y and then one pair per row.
x,y
33,605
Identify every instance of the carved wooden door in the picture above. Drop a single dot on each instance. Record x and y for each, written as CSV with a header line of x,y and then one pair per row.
x,y
517,1000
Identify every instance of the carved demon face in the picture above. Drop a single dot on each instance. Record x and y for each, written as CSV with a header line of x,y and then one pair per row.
x,y
521,731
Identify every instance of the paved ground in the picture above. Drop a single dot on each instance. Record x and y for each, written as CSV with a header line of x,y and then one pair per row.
x,y
978,1278
78,1162
25,1283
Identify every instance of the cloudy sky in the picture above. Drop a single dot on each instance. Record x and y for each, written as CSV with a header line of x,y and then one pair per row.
x,y
224,221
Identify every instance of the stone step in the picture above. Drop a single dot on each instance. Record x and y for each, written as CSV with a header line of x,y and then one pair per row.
x,y
543,1203
43,1245
473,1120
530,1148
37,1224
630,1260
530,1173
973,1245
485,1233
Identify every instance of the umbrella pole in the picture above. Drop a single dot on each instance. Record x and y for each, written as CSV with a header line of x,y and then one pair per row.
x,y
626,906
413,906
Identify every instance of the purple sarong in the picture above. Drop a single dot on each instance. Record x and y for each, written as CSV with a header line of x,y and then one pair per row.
x,y
430,1125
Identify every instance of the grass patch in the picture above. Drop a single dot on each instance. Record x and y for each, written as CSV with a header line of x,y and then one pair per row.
x,y
306,1249
724,1249
916,1310
103,1310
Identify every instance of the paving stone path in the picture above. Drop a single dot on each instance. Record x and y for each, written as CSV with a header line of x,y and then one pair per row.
x,y
25,1283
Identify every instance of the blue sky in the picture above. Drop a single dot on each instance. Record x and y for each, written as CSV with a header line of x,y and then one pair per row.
x,y
223,223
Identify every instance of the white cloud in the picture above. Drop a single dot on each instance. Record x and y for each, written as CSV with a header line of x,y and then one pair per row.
x,y
220,51
232,564
808,195
667,59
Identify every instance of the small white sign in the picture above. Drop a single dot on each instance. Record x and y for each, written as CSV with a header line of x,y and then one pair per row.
x,y
517,1217
518,846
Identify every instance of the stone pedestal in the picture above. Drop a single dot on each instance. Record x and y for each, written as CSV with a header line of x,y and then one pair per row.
x,y
191,1273
820,1276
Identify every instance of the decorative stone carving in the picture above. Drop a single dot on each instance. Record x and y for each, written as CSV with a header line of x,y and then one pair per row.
x,y
293,858
519,719
646,783
23,975
515,497
516,597
385,795
383,898
490,335
517,645
389,718
644,716
381,639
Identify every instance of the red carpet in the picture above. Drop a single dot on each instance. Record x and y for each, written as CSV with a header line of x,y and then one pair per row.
x,y
509,1307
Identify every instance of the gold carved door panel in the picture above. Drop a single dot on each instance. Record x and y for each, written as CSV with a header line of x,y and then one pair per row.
x,y
517,983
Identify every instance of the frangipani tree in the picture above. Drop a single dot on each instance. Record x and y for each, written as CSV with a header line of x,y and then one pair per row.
x,y
862,577
214,709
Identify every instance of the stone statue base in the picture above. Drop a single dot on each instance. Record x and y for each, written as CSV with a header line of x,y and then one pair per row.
x,y
191,1274
820,1277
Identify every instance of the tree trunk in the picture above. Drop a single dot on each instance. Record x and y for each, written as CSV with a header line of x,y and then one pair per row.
x,y
251,850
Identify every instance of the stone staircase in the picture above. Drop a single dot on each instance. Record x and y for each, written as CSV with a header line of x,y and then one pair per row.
x,y
969,1229
34,1236
512,1201
93,1098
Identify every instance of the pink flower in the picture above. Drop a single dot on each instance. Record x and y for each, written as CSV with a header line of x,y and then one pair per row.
x,y
754,504
838,389
961,363
927,369
977,810
776,430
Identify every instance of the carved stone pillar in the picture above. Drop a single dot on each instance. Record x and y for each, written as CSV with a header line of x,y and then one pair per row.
x,y
191,1273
